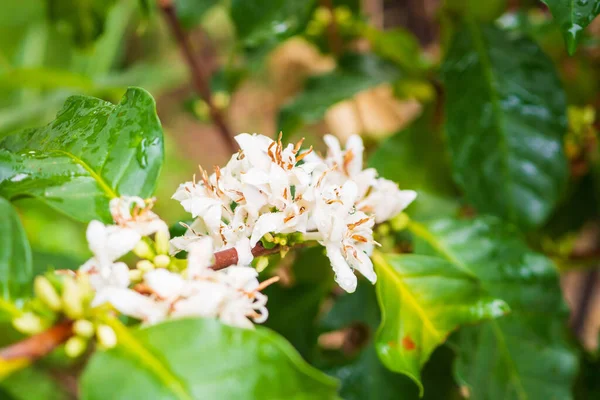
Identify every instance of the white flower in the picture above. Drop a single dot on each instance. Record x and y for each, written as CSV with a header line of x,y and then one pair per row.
x,y
134,213
110,242
386,200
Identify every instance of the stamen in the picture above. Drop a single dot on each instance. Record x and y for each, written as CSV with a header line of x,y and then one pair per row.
x,y
358,223
264,284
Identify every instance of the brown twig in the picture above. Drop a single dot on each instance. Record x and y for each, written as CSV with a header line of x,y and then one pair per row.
x,y
37,346
225,258
199,75
333,37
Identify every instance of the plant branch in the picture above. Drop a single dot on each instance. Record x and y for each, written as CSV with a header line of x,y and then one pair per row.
x,y
225,258
199,75
333,37
37,346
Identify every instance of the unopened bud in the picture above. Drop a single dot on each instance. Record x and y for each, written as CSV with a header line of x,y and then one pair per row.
x,y
135,275
75,346
143,250
29,323
145,265
72,299
162,241
106,336
84,328
262,264
162,261
283,241
45,292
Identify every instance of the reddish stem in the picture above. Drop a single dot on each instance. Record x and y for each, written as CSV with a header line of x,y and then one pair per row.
x,y
199,75
37,346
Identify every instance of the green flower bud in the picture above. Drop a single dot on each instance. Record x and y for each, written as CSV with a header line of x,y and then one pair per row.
x,y
162,261
72,299
162,241
106,336
84,328
135,275
145,265
45,291
29,323
400,222
75,346
143,250
262,264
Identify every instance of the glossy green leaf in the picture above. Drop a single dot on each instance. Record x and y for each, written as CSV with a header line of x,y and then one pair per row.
x,y
523,355
354,74
260,21
573,16
506,117
190,12
92,152
293,308
398,45
422,300
202,359
416,158
16,270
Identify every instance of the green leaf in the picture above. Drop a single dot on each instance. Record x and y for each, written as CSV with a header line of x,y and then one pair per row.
x,y
16,270
190,12
573,16
354,74
521,356
422,300
506,116
33,383
207,360
261,21
93,151
415,158
293,309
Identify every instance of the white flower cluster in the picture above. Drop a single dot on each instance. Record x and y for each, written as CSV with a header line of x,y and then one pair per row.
x,y
265,191
267,188
232,295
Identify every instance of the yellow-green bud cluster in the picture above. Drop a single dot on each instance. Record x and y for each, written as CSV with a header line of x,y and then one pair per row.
x,y
84,330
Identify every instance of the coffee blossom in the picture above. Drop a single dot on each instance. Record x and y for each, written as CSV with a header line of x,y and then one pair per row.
x,y
270,189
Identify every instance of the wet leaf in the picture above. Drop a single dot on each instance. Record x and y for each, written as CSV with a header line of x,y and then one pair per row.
x,y
521,356
506,117
93,151
258,22
422,300
16,270
573,17
207,360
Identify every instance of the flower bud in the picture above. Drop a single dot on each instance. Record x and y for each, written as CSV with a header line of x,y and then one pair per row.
x,y
161,239
45,292
75,346
162,261
29,323
262,264
145,265
106,336
84,328
72,299
143,250
135,275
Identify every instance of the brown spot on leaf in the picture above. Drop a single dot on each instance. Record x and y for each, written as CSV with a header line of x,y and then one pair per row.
x,y
408,343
